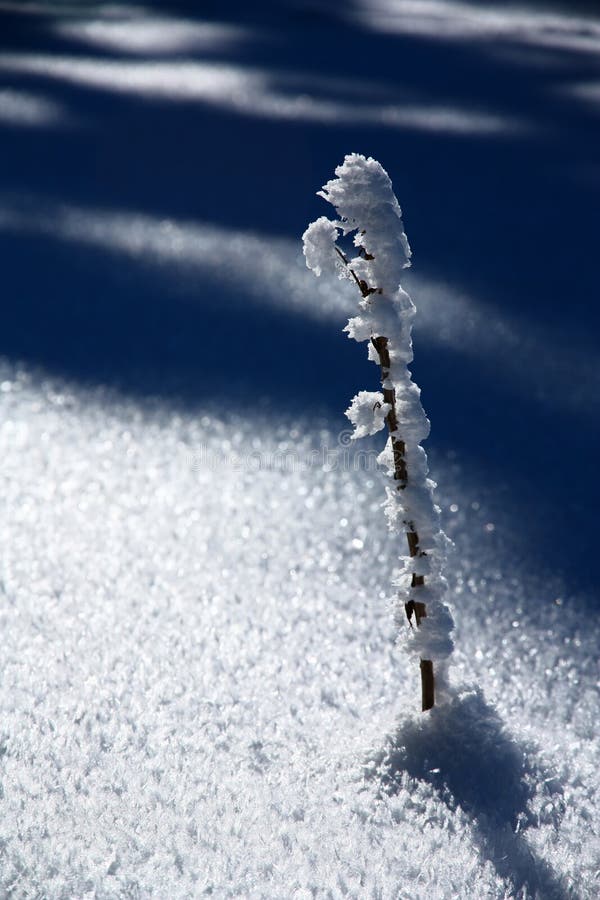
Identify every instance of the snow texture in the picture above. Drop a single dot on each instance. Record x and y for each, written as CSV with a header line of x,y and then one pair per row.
x,y
367,413
363,197
319,245
200,694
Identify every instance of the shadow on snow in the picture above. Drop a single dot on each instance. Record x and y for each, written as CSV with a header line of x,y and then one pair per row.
x,y
464,752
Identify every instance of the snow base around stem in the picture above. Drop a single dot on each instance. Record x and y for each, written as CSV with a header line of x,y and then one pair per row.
x,y
462,750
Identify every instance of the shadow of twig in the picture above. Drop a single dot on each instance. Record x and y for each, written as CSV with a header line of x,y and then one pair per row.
x,y
463,750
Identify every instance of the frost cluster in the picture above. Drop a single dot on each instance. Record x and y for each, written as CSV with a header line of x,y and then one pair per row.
x,y
367,413
368,210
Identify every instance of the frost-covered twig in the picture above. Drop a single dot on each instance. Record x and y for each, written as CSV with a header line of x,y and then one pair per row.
x,y
367,207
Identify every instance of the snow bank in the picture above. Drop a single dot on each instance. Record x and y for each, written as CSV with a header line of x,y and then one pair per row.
x,y
194,669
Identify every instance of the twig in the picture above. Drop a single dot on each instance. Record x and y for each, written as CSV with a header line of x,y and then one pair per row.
x,y
412,607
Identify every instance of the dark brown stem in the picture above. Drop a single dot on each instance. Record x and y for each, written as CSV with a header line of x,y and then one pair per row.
x,y
427,685
389,396
415,607
401,478
363,287
398,445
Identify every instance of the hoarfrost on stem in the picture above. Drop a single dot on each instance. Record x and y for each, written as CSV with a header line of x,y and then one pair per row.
x,y
367,208
367,412
319,245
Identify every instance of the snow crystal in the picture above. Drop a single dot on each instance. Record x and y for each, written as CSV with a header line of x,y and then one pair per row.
x,y
363,196
319,245
367,413
359,329
198,681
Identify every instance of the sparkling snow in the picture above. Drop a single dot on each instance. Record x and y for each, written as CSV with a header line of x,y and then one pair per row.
x,y
201,692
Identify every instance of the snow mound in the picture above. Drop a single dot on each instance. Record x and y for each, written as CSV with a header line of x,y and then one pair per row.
x,y
196,659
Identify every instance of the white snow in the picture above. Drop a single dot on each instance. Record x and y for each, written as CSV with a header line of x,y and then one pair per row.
x,y
200,688
318,243
272,271
464,19
141,33
367,413
255,91
25,108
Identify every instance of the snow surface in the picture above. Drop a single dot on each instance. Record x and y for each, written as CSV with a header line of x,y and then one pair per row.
x,y
201,692
251,92
27,109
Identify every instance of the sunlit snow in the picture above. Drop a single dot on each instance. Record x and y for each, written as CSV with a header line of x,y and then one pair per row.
x,y
271,270
253,92
459,20
27,109
214,700
144,34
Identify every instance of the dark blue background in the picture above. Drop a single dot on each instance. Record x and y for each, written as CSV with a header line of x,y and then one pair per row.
x,y
511,218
